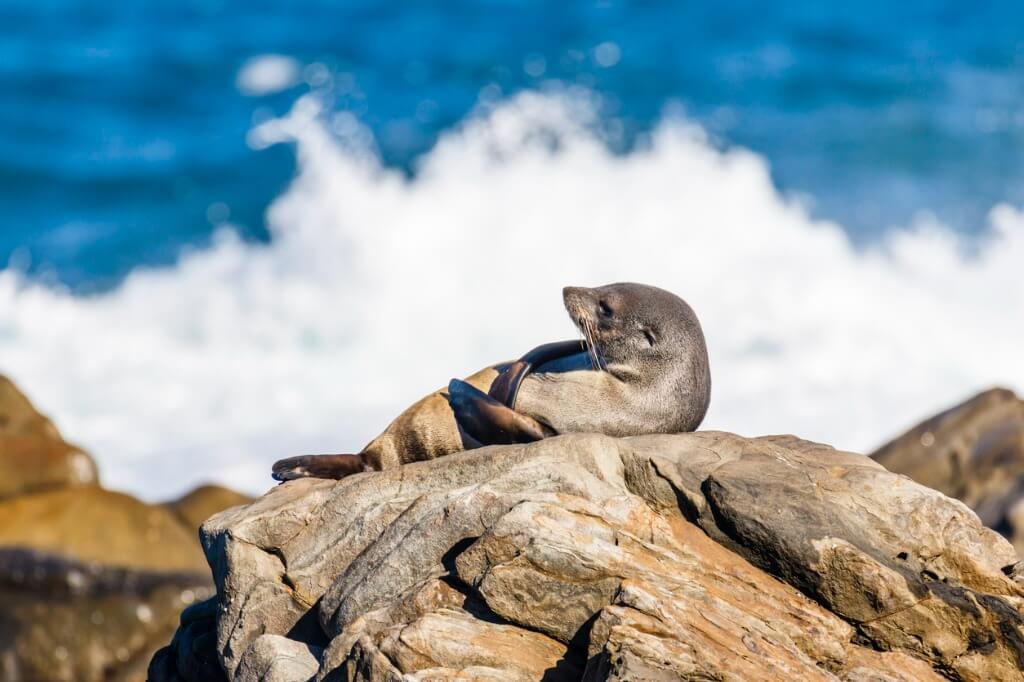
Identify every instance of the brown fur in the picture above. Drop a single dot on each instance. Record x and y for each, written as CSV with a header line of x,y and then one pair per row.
x,y
425,430
648,373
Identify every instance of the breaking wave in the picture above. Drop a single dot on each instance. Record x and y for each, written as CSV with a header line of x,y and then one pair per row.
x,y
377,287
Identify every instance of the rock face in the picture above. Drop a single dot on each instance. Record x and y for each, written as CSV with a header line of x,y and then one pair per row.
x,y
973,452
91,581
33,456
690,556
19,416
62,619
200,504
93,524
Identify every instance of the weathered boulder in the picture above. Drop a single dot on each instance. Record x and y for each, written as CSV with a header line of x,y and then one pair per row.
x,y
64,620
973,452
34,463
97,525
192,653
33,456
91,581
19,416
273,658
694,556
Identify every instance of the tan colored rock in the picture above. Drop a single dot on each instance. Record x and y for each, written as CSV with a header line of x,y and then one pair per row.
x,y
914,570
91,581
33,456
30,463
434,631
203,502
273,658
93,524
67,621
106,593
695,556
868,665
455,640
687,606
19,416
973,452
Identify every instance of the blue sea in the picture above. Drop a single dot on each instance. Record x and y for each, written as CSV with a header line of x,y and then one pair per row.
x,y
121,123
239,230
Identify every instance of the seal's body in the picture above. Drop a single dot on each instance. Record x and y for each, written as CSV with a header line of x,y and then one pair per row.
x,y
654,375
643,368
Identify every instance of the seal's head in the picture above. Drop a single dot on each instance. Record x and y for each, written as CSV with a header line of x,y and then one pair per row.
x,y
639,327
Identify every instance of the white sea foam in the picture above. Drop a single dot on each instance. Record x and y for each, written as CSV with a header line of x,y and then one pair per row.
x,y
266,74
377,289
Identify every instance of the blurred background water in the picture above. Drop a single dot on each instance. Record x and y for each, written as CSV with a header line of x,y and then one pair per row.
x,y
123,125
818,179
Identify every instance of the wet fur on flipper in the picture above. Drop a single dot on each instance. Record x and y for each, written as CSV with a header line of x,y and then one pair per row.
x,y
488,421
317,466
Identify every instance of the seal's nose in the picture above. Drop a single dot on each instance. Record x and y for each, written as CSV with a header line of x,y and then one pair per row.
x,y
572,297
575,292
578,301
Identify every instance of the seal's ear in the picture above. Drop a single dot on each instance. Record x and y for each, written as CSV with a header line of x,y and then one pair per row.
x,y
317,466
487,421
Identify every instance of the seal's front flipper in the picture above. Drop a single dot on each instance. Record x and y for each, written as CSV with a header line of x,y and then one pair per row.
x,y
487,421
506,385
317,466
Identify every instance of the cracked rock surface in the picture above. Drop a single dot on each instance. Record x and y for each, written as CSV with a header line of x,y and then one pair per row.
x,y
689,556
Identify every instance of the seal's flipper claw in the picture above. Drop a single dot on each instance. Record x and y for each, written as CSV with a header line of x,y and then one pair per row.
x,y
487,421
317,466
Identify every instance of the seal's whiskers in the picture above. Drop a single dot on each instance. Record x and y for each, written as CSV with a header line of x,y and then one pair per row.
x,y
588,334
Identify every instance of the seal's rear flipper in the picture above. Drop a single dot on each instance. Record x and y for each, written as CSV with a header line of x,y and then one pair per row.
x,y
317,466
489,422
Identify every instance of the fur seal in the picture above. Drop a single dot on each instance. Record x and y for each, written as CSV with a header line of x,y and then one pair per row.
x,y
641,368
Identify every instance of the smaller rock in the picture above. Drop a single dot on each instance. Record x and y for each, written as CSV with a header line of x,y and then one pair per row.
x,y
192,654
31,463
33,456
203,502
93,524
70,621
273,658
435,631
973,452
19,416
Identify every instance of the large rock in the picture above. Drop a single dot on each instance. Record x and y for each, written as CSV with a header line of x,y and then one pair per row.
x,y
19,416
91,581
203,502
97,525
33,456
34,463
64,620
91,584
973,452
694,556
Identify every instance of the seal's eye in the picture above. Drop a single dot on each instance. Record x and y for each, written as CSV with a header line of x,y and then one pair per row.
x,y
606,311
649,335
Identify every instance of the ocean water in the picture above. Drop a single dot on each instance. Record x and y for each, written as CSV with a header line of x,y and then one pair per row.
x,y
240,231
